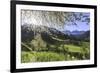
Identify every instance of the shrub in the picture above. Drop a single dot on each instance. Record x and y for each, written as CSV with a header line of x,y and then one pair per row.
x,y
48,56
41,57
27,57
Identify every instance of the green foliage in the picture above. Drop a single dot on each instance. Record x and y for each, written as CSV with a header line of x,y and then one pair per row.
x,y
57,53
27,57
86,50
41,57
48,56
41,41
49,48
73,48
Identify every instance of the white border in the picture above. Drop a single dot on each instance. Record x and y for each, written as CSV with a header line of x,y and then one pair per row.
x,y
20,65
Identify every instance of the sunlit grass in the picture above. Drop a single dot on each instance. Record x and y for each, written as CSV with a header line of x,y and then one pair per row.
x,y
64,52
41,57
73,48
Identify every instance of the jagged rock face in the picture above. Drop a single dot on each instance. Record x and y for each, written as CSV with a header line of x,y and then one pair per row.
x,y
39,37
28,32
49,35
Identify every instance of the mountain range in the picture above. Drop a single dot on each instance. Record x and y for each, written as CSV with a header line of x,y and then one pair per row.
x,y
75,32
28,32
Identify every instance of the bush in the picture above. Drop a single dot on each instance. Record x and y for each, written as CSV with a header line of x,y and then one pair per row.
x,y
48,56
27,57
41,57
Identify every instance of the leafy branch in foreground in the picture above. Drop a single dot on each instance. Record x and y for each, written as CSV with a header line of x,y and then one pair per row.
x,y
53,18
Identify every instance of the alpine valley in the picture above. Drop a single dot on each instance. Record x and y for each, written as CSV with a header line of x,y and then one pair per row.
x,y
44,44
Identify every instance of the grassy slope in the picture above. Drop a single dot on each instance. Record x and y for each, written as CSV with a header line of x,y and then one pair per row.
x,y
73,48
47,56
41,57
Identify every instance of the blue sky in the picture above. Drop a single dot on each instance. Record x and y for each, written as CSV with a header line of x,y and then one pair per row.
x,y
77,18
81,26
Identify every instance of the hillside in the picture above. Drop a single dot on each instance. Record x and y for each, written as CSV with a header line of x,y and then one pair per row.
x,y
42,41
